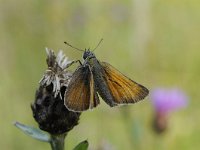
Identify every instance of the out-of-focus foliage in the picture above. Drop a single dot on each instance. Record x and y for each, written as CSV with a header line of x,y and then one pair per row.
x,y
33,132
82,146
153,42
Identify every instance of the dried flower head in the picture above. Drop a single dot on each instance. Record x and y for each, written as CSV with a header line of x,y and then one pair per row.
x,y
48,108
56,73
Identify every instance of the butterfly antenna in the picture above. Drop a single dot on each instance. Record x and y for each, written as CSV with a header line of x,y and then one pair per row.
x,y
73,47
98,44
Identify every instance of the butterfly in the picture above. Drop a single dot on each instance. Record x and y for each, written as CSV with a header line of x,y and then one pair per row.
x,y
93,78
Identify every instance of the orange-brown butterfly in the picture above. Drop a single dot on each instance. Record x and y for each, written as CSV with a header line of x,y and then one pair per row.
x,y
92,77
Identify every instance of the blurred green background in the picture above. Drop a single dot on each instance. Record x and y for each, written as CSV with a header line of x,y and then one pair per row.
x,y
154,42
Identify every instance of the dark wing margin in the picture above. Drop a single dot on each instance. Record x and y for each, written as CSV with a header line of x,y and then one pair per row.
x,y
123,89
80,94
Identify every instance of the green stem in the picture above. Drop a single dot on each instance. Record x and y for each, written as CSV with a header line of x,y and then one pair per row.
x,y
132,128
58,142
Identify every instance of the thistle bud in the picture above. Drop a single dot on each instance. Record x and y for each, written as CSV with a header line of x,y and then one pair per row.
x,y
166,101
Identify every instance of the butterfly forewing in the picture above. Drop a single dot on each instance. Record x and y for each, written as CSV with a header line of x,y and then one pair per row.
x,y
123,89
80,94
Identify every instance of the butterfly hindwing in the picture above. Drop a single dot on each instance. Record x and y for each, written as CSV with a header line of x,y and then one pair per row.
x,y
123,89
80,94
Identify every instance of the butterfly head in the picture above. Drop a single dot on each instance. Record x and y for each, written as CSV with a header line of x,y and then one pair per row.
x,y
88,54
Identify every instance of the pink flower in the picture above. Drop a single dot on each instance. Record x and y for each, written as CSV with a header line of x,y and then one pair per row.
x,y
164,102
168,100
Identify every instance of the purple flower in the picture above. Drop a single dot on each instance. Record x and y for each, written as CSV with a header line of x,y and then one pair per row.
x,y
168,100
164,102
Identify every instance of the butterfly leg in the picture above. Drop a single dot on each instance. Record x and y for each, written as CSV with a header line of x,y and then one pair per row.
x,y
72,62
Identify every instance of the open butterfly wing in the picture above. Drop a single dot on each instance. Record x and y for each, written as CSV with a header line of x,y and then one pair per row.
x,y
123,89
80,94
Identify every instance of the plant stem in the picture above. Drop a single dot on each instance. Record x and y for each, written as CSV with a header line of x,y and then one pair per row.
x,y
58,142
